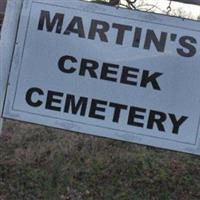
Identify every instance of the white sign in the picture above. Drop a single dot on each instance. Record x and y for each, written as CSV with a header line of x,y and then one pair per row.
x,y
109,72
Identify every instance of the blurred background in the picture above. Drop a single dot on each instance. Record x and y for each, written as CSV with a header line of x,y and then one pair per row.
x,y
2,9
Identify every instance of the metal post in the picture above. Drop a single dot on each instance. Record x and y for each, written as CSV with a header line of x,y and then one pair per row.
x,y
7,43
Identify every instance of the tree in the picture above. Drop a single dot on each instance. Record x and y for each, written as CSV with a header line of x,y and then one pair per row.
x,y
148,7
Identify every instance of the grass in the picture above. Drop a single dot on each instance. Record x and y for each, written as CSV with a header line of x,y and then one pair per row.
x,y
38,163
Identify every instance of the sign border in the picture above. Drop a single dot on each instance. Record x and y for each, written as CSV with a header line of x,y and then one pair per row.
x,y
82,129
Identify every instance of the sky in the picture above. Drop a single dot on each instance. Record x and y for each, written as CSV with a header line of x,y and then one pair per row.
x,y
190,10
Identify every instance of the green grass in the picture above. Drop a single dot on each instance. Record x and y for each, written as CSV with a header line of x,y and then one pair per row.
x,y
38,163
